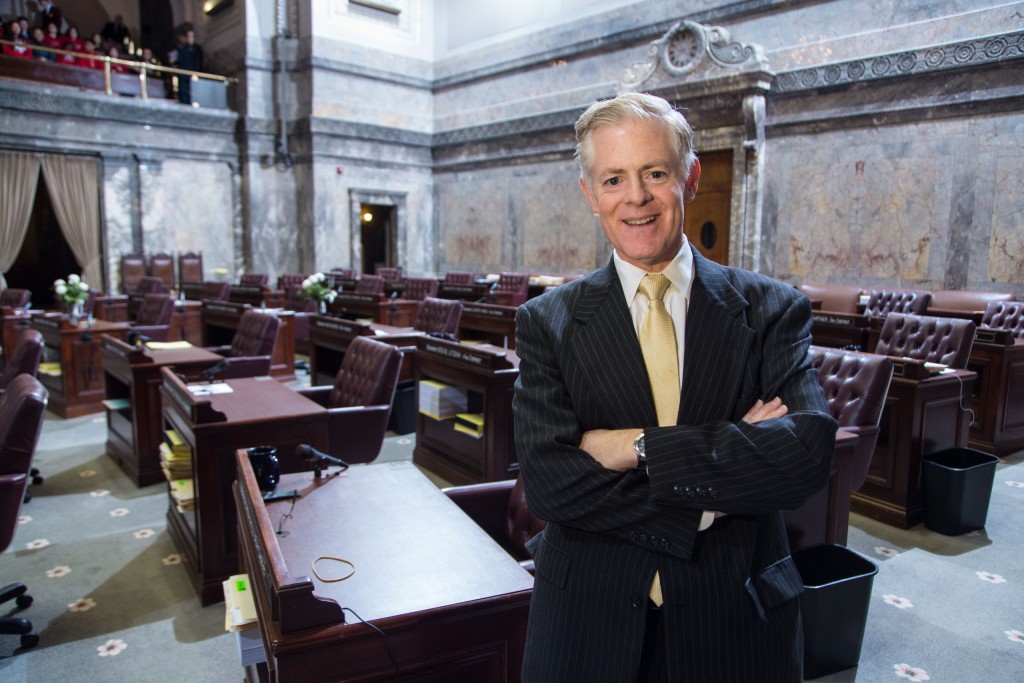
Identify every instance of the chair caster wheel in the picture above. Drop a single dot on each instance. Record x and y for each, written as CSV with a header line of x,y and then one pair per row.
x,y
29,640
23,601
37,480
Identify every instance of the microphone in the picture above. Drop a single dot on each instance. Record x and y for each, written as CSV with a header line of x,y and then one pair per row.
x,y
490,292
319,459
211,372
136,339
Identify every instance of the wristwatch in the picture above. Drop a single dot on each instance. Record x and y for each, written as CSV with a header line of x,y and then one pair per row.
x,y
641,453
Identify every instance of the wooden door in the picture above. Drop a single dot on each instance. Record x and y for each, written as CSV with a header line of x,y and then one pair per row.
x,y
708,215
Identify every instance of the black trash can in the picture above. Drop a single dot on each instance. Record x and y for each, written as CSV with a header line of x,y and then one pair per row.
x,y
833,606
403,408
957,486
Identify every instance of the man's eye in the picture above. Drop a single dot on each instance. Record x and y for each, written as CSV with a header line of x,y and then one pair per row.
x,y
658,175
612,181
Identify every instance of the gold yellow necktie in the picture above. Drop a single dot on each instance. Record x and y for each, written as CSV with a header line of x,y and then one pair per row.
x,y
658,344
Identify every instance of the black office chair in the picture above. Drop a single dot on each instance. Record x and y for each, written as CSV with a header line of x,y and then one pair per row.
x,y
22,408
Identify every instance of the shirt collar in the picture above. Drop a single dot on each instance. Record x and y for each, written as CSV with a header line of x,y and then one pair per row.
x,y
679,272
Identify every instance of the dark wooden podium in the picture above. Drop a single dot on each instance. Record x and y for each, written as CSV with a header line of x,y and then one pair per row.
x,y
376,307
78,389
259,411
329,339
451,602
998,404
134,410
492,323
488,374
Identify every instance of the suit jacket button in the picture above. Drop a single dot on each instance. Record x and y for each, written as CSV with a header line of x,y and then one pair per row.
x,y
677,489
701,491
690,492
642,538
632,535
713,492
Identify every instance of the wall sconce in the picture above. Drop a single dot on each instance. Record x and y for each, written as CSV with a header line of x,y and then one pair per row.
x,y
367,216
213,7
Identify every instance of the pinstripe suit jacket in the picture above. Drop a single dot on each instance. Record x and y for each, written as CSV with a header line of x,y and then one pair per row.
x,y
730,612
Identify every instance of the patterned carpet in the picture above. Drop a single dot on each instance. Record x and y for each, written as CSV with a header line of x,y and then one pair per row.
x,y
113,602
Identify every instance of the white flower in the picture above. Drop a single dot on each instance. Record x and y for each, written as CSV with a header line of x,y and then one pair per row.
x,y
58,572
911,673
60,289
991,578
897,601
331,296
83,286
73,279
307,283
112,647
319,277
82,605
59,282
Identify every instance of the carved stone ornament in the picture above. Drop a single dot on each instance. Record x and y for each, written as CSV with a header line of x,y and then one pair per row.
x,y
684,48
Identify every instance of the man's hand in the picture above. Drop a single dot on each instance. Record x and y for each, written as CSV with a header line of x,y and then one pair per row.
x,y
766,411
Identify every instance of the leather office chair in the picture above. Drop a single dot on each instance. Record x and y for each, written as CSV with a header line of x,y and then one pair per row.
x,y
147,284
499,508
153,319
25,358
389,273
161,266
251,348
884,302
419,288
963,303
303,308
512,289
286,281
935,340
14,297
458,277
370,284
190,267
133,267
855,386
216,291
834,298
1005,315
439,316
254,279
359,402
22,408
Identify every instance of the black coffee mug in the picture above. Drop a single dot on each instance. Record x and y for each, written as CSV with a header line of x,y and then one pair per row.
x,y
265,466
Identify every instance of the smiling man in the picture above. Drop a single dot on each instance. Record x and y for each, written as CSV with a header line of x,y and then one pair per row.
x,y
665,413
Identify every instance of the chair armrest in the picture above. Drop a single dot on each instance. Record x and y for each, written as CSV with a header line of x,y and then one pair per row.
x,y
320,394
154,332
223,350
245,366
862,454
355,434
486,504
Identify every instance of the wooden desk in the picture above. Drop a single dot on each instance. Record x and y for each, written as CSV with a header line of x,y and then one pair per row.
x,y
78,389
14,321
998,403
220,321
840,329
488,374
258,412
329,338
112,308
466,292
135,430
380,309
920,417
452,603
186,322
254,295
489,322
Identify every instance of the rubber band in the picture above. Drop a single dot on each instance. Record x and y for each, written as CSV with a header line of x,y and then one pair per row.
x,y
336,559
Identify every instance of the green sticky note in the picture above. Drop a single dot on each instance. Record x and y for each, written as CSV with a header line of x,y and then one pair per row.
x,y
240,585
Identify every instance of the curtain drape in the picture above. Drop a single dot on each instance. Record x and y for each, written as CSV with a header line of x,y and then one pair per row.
x,y
74,191
19,174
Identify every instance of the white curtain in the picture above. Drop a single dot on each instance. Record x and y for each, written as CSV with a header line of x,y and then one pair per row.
x,y
73,183
19,174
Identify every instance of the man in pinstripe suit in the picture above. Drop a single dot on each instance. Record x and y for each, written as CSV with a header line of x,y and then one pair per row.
x,y
692,506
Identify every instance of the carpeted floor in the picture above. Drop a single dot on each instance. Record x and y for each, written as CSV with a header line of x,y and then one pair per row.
x,y
113,602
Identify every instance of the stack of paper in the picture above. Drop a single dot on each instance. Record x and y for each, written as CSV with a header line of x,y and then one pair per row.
x,y
174,465
441,401
239,605
183,494
179,447
52,369
470,423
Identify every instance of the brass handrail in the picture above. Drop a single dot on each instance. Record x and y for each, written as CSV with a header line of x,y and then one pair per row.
x,y
141,67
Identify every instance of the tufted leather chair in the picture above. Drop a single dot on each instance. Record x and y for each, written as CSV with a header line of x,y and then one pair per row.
x,y
22,408
216,291
25,358
458,277
419,288
855,385
499,508
951,302
153,319
389,273
935,340
161,266
439,315
13,297
1005,315
884,302
133,267
287,281
147,284
190,267
254,279
251,347
370,284
834,298
512,289
359,403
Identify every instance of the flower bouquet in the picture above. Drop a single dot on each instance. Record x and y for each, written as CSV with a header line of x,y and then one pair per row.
x,y
315,287
74,292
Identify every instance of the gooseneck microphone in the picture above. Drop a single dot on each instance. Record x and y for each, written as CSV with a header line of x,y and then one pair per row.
x,y
211,372
320,460
134,338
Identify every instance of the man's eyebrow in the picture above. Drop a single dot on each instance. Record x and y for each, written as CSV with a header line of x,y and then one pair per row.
x,y
661,163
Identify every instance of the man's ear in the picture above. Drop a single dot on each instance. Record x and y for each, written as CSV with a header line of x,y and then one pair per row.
x,y
591,199
691,182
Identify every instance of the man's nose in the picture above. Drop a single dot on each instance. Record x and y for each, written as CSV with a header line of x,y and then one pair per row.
x,y
637,192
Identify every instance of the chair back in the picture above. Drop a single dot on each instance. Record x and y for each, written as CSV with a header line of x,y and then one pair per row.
x,y
965,299
254,279
390,274
520,524
14,297
156,309
22,408
884,302
419,288
439,315
255,335
368,375
216,291
161,266
370,284
190,267
516,285
928,338
855,384
133,268
25,357
458,277
147,284
1005,315
834,298
294,301
287,281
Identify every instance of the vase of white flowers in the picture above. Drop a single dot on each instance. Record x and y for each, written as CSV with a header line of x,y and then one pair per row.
x,y
315,287
74,291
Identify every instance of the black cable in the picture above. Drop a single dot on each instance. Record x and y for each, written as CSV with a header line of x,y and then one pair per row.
x,y
280,525
387,643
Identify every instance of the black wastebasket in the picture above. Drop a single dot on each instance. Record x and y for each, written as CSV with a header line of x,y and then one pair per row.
x,y
403,408
957,487
833,606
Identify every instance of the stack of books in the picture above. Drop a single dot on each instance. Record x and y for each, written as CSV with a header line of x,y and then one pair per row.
x,y
240,618
183,494
52,369
470,423
441,401
175,456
